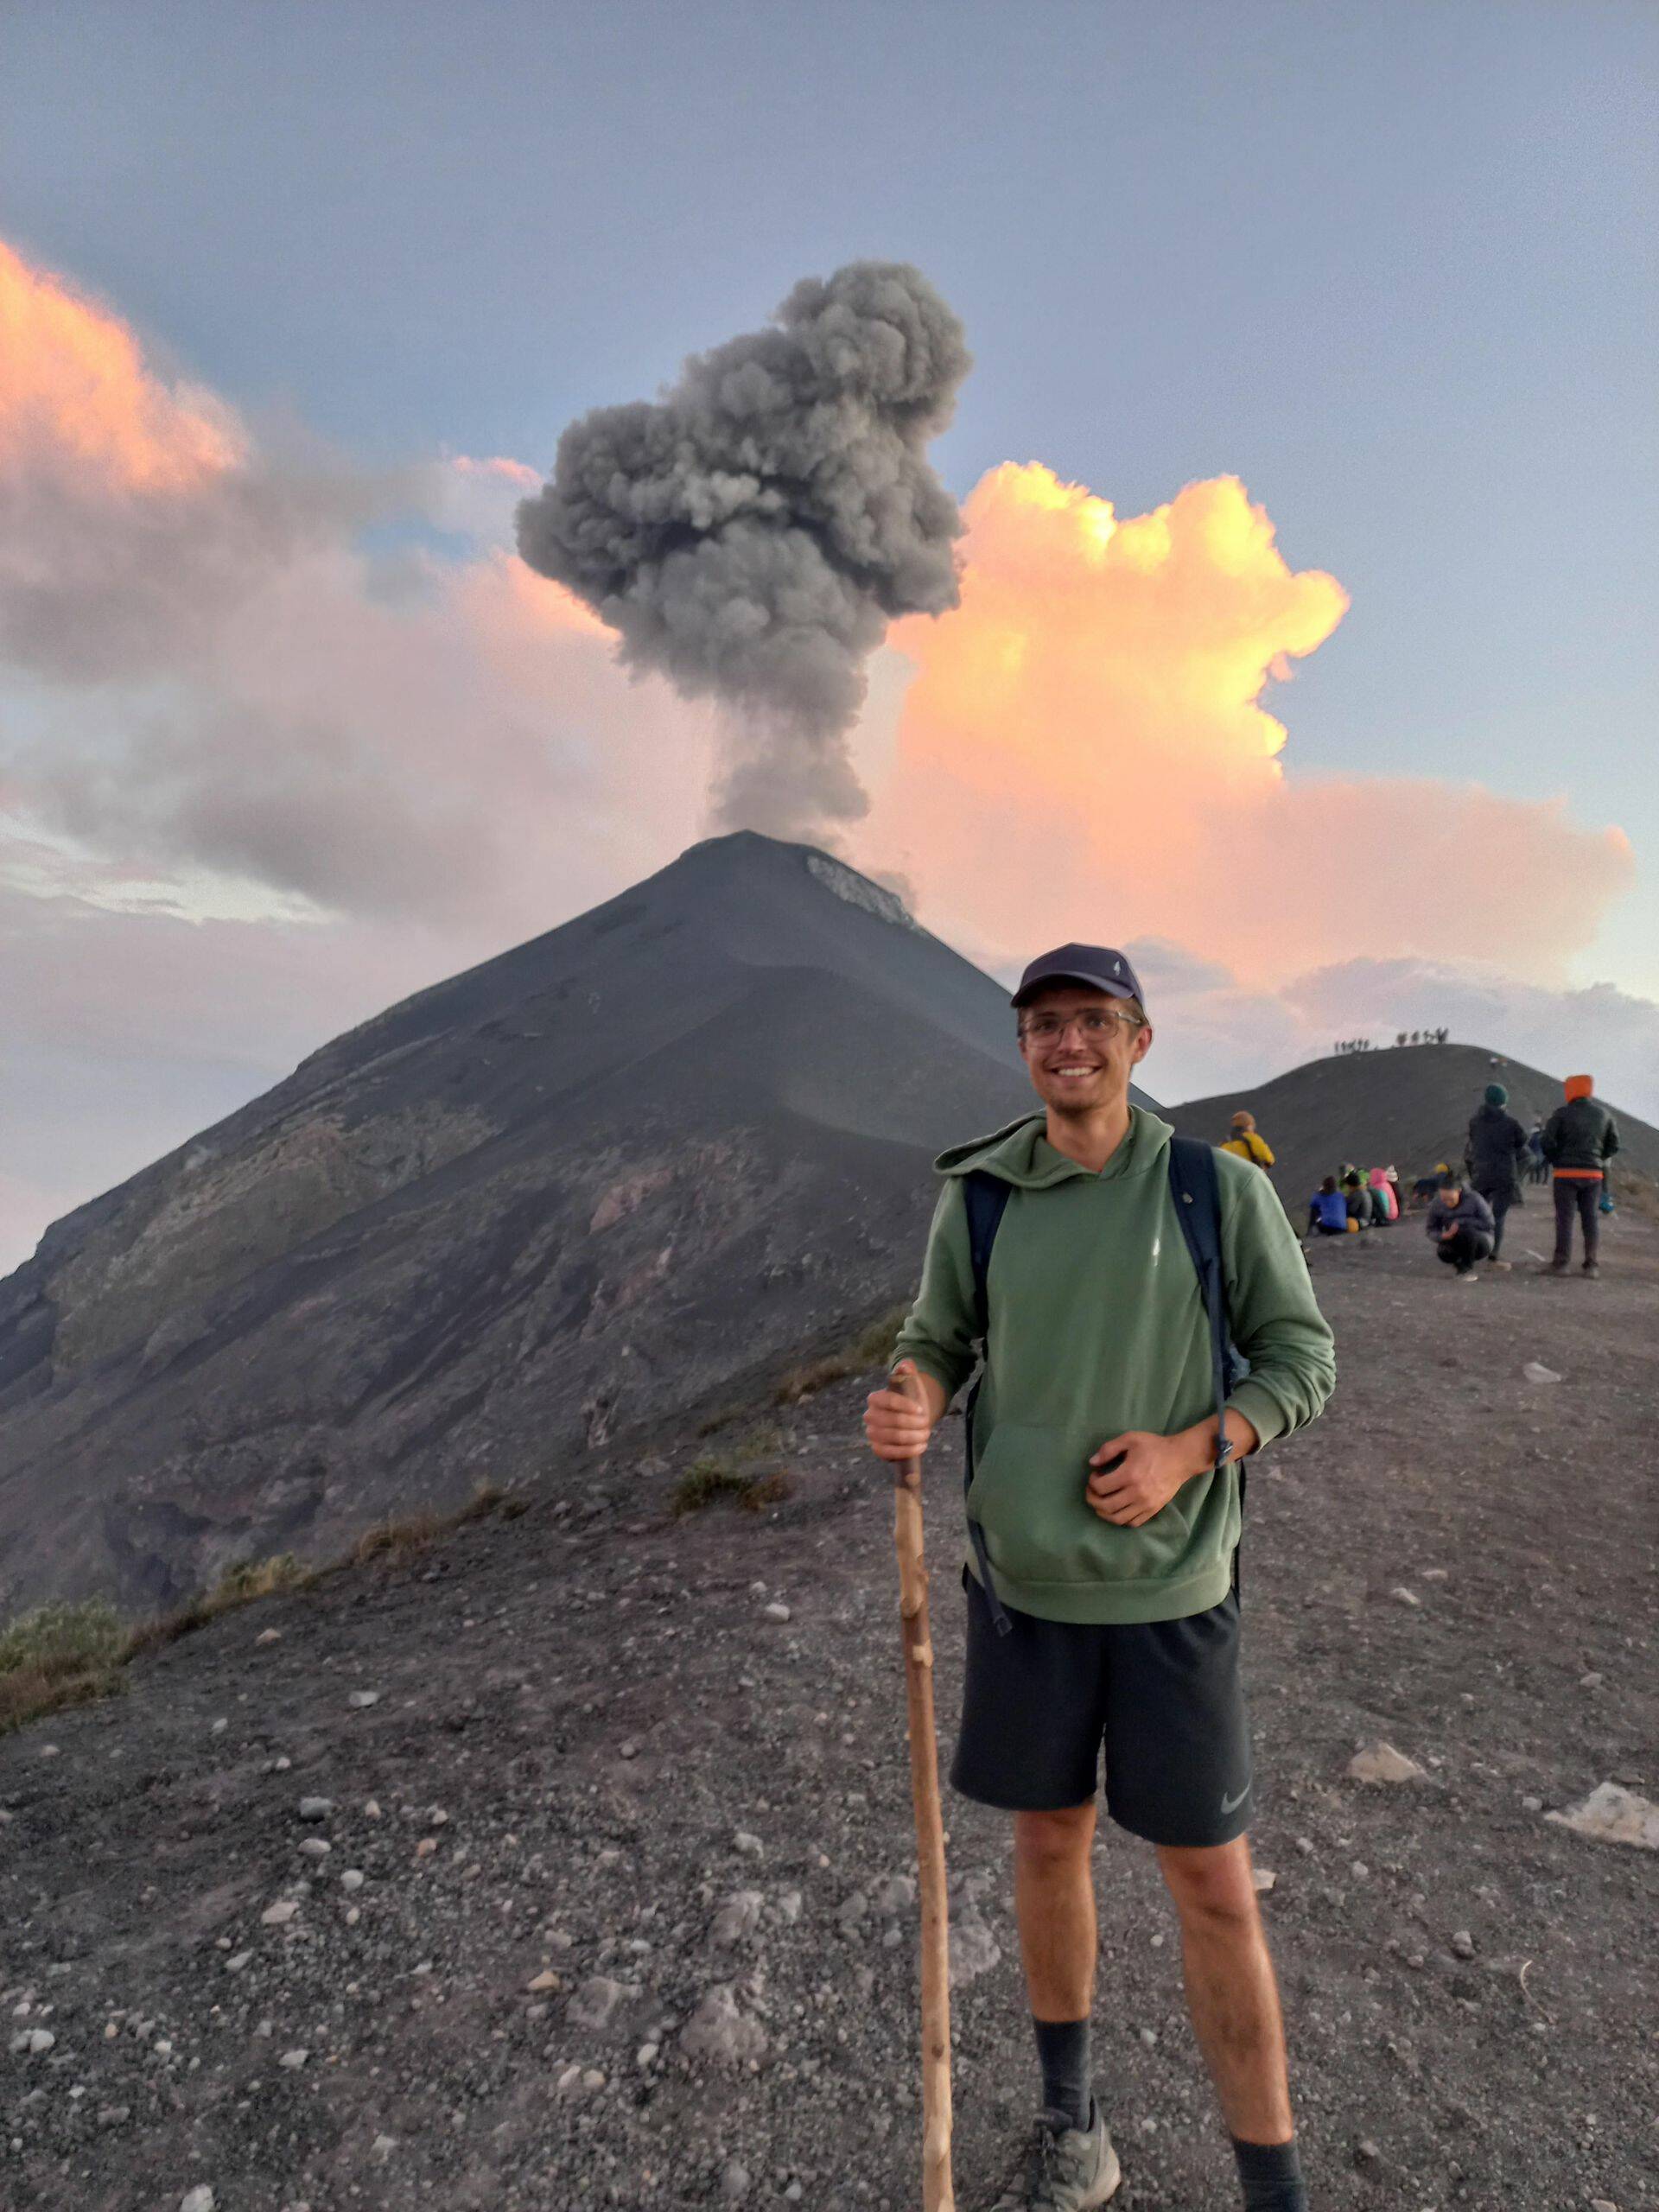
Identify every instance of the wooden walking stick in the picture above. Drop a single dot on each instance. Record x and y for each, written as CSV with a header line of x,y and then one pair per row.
x,y
938,2193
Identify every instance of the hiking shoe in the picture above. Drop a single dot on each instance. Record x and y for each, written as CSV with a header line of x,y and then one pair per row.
x,y
1467,1274
1067,2169
1556,1267
1591,1268
1500,1266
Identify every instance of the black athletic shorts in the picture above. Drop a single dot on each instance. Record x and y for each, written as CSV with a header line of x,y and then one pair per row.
x,y
1162,1698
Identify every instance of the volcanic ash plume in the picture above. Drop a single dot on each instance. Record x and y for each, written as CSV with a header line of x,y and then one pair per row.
x,y
751,534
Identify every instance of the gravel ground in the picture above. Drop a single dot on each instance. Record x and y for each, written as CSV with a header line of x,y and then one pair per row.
x,y
571,1865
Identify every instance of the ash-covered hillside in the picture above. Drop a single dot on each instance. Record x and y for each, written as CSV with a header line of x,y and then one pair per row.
x,y
599,1177
1409,1106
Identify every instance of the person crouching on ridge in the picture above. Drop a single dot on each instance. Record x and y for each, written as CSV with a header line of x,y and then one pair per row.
x,y
1580,1137
1105,1511
1248,1141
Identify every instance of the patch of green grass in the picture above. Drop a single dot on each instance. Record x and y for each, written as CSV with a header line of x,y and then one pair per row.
x,y
59,1655
740,1474
60,1637
62,1655
871,1347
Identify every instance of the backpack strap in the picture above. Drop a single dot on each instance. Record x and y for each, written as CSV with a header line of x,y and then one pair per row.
x,y
986,1198
1195,1191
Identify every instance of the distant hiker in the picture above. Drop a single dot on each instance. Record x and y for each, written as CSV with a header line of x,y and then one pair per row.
x,y
1581,1138
1248,1143
1356,1193
1385,1207
1460,1226
1494,1156
1327,1210
1100,1612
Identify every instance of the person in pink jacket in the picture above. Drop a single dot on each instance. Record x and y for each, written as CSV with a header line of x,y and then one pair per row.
x,y
1385,1207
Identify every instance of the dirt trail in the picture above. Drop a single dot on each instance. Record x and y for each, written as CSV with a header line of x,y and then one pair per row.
x,y
603,1784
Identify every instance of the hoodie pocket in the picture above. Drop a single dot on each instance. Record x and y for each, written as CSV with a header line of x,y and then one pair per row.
x,y
1029,1496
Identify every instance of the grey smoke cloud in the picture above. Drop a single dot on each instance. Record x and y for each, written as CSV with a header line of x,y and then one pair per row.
x,y
751,534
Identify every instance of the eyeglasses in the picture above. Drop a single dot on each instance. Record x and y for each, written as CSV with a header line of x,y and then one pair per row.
x,y
1044,1028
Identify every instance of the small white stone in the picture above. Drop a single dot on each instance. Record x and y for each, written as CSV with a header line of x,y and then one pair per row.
x,y
268,1636
316,1808
1536,1372
1405,1597
199,2199
1263,1879
362,1699
316,1846
294,2059
218,1728
352,1878
777,1611
279,1915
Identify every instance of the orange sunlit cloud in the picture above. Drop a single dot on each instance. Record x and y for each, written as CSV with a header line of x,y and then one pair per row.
x,y
1083,754
74,390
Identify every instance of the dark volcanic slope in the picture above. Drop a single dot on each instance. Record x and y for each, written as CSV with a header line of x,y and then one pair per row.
x,y
1408,1107
597,1177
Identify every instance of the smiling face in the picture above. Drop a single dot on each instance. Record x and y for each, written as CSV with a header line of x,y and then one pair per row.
x,y
1081,1046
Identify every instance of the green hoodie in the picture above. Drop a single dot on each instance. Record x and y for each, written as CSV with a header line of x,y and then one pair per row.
x,y
1096,1327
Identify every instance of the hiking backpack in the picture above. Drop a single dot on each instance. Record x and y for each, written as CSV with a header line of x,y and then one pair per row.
x,y
1196,1194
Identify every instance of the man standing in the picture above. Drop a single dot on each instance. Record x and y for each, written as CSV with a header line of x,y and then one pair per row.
x,y
1494,1156
1104,1512
1581,1137
1460,1226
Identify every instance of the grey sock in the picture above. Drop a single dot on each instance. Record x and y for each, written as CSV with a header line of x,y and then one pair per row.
x,y
1063,2051
1270,2174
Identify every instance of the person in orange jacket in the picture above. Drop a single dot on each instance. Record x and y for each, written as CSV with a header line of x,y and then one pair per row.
x,y
1580,1139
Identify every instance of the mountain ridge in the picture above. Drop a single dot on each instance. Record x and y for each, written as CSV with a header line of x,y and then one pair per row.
x,y
683,1134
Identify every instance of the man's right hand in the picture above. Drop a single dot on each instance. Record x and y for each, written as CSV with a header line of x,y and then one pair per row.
x,y
898,1426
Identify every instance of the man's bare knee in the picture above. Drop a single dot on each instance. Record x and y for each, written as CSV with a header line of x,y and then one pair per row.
x,y
1054,1840
1212,1889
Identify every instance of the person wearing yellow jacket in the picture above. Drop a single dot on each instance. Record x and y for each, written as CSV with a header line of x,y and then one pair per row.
x,y
1248,1143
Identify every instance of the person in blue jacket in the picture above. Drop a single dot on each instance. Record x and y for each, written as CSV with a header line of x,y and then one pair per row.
x,y
1327,1213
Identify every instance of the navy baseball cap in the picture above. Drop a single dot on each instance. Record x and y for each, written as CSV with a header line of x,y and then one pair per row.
x,y
1096,965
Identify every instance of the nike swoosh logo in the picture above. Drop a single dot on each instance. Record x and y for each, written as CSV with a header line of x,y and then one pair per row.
x,y
1232,1804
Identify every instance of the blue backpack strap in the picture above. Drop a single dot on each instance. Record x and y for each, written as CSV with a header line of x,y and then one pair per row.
x,y
985,1198
1195,1190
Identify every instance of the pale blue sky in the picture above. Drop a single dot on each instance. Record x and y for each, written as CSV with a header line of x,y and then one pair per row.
x,y
1393,264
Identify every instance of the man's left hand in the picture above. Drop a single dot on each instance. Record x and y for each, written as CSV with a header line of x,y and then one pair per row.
x,y
1136,1475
